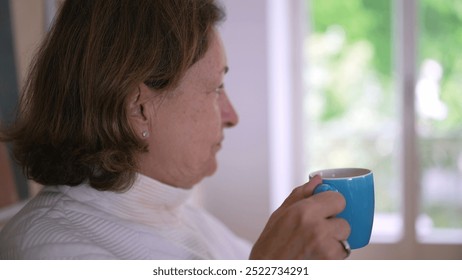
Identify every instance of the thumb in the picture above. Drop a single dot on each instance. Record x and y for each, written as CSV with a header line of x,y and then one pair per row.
x,y
302,192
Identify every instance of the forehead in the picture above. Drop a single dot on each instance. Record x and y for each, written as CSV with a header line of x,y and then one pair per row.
x,y
215,55
212,65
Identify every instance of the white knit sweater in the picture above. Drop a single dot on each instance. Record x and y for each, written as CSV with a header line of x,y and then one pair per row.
x,y
150,221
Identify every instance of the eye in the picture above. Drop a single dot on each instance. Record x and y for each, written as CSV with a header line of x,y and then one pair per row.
x,y
220,89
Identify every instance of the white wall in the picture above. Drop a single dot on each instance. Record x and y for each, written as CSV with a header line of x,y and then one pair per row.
x,y
238,193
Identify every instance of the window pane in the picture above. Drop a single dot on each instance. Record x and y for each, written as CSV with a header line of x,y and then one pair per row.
x,y
439,112
350,106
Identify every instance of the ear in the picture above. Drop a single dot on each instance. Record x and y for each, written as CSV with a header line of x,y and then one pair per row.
x,y
139,105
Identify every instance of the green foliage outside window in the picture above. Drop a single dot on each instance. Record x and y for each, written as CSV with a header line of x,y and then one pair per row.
x,y
352,105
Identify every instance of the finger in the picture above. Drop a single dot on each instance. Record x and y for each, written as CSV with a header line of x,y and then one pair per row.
x,y
322,205
324,241
312,184
346,248
340,228
340,231
301,192
335,246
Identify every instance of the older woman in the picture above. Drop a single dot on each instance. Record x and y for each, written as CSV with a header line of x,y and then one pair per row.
x,y
123,113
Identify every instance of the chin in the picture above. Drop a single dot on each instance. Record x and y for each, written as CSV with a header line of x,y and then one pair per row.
x,y
208,171
212,168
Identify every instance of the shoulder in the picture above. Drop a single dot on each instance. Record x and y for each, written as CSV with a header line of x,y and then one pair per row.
x,y
44,229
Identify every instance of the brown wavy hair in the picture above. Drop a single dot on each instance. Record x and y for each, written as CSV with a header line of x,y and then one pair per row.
x,y
72,125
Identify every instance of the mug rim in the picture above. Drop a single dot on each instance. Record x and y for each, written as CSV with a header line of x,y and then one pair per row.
x,y
361,172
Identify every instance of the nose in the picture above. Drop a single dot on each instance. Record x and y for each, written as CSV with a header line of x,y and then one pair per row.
x,y
229,116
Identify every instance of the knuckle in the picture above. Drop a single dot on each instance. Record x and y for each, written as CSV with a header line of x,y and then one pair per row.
x,y
340,202
342,227
346,226
296,191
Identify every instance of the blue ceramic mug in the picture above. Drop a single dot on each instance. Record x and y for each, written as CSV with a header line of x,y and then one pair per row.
x,y
357,186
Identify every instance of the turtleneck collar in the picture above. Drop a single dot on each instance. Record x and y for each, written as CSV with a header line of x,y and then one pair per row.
x,y
142,203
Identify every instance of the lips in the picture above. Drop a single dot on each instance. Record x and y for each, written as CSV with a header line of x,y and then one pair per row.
x,y
219,144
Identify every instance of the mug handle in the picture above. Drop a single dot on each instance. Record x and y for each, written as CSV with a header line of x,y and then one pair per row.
x,y
324,188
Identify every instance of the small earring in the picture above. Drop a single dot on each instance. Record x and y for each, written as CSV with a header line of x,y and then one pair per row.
x,y
145,134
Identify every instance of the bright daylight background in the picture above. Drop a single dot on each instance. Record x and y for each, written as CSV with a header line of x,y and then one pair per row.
x,y
352,102
320,84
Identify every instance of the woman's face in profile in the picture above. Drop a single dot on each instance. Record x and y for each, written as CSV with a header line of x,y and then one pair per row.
x,y
186,127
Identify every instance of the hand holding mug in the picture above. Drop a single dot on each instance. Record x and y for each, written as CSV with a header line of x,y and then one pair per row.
x,y
305,227
357,187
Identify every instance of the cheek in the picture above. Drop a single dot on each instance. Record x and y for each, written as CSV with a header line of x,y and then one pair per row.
x,y
200,144
206,121
192,133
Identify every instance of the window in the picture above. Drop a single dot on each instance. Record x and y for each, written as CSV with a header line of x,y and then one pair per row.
x,y
351,105
439,117
382,90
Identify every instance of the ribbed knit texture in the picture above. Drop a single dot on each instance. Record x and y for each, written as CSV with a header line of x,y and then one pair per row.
x,y
150,221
